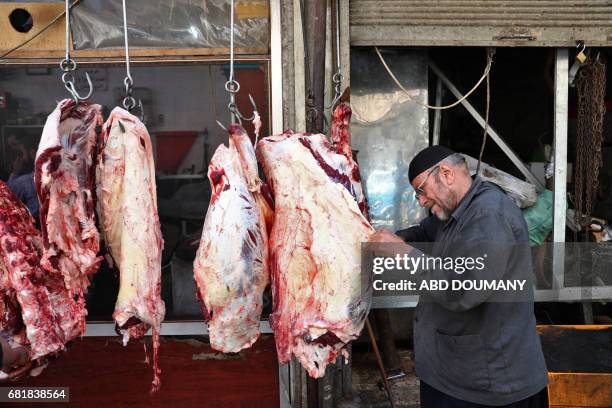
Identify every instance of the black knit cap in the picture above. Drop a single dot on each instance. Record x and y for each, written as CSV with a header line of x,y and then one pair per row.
x,y
427,158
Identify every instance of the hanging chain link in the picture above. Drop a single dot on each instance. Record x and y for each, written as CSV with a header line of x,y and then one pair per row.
x,y
591,86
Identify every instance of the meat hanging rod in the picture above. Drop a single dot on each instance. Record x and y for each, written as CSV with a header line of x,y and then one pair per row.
x,y
337,78
68,66
129,102
232,86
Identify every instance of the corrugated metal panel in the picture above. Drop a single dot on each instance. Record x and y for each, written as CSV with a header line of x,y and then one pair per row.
x,y
481,22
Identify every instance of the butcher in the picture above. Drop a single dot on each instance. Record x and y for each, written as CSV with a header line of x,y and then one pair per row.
x,y
470,349
11,359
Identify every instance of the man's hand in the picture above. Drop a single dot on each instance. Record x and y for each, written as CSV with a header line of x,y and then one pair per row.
x,y
384,235
20,371
13,357
21,356
395,246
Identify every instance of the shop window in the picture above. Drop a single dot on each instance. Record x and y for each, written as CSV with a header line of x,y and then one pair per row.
x,y
180,107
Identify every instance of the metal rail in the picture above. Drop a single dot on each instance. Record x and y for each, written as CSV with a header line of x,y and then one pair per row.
x,y
186,328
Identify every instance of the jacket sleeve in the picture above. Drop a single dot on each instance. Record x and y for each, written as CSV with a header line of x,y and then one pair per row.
x,y
425,231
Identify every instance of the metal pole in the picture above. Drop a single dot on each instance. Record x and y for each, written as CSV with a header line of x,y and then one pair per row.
x,y
437,114
345,47
299,76
285,372
560,193
315,16
381,366
276,66
67,30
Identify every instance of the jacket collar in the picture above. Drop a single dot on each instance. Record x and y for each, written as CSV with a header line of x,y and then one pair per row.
x,y
466,200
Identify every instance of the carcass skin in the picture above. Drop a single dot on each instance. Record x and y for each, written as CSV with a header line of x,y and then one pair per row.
x,y
48,312
231,265
320,300
127,210
64,177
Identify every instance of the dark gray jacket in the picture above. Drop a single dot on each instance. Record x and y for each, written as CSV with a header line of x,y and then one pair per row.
x,y
471,345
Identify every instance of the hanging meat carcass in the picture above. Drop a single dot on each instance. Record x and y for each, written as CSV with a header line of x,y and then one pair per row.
x,y
48,312
320,298
231,266
10,312
129,223
64,176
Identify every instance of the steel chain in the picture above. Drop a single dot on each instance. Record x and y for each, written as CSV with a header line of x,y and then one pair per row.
x,y
591,86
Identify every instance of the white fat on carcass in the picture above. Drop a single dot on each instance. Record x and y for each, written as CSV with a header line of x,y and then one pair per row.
x,y
129,222
320,303
231,266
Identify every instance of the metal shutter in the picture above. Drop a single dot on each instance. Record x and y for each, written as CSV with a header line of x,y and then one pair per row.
x,y
481,22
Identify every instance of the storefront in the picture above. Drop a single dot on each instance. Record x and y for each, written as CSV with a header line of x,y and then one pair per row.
x,y
189,69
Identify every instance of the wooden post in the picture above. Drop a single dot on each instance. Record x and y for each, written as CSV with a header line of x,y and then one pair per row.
x,y
315,16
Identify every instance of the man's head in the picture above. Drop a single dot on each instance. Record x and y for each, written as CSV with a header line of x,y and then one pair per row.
x,y
440,179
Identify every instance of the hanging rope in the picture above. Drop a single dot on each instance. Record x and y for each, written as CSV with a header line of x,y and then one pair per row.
x,y
397,82
490,53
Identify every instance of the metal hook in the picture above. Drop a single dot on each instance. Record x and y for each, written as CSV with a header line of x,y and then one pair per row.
x,y
129,103
337,79
68,65
141,108
232,86
221,126
234,110
68,81
581,44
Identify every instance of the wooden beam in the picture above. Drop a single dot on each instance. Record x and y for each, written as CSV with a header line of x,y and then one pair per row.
x,y
580,390
53,39
51,44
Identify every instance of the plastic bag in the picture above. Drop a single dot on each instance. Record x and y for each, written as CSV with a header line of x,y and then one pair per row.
x,y
539,218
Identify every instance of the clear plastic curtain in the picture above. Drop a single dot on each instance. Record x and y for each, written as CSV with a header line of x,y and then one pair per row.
x,y
387,130
170,23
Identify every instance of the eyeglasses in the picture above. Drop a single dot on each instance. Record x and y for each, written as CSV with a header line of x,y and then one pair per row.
x,y
418,192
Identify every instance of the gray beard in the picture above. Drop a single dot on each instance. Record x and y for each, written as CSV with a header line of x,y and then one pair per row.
x,y
444,216
444,213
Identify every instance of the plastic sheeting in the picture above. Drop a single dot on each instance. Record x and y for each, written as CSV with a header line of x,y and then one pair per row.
x,y
388,129
170,23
